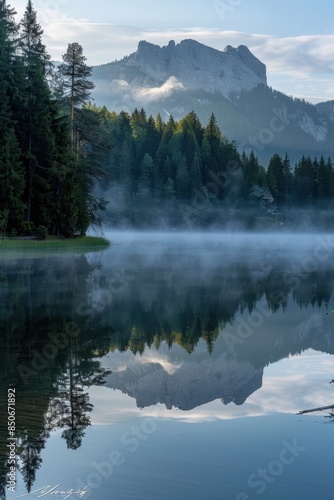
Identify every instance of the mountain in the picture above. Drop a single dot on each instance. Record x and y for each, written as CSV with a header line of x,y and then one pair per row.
x,y
188,65
178,78
185,383
153,73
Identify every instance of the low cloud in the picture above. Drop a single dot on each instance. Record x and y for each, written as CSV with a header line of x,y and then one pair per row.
x,y
158,93
126,94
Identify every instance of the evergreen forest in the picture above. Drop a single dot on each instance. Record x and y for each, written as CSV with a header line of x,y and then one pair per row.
x,y
67,164
184,174
46,175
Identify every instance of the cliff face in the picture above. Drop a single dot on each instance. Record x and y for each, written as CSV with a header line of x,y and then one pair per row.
x,y
191,65
188,384
189,76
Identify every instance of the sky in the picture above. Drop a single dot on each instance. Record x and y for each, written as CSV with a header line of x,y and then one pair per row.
x,y
294,38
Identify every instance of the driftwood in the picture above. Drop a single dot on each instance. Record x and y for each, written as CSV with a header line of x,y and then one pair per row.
x,y
331,407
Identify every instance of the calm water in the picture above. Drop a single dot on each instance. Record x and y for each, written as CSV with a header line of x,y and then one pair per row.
x,y
171,367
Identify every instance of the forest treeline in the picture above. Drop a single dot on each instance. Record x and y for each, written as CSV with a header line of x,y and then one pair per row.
x,y
61,156
182,173
46,175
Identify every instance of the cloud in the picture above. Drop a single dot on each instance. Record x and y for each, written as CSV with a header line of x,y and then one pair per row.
x,y
158,93
127,95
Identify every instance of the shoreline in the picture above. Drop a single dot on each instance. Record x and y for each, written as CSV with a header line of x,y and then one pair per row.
x,y
15,247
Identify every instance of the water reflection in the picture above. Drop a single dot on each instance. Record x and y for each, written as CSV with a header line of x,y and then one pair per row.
x,y
47,355
178,319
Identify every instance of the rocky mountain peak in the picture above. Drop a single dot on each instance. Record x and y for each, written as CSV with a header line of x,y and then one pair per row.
x,y
180,77
194,66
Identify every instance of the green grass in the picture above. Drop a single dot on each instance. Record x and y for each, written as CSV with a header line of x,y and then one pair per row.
x,y
21,248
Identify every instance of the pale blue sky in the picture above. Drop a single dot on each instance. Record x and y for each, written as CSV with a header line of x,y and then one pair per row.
x,y
295,39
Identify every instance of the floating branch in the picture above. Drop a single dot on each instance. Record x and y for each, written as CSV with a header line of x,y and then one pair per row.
x,y
321,408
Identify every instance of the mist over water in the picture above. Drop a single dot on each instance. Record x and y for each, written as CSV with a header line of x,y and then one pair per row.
x,y
212,247
171,328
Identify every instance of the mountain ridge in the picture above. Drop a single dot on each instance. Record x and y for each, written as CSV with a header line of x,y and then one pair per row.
x,y
192,64
190,76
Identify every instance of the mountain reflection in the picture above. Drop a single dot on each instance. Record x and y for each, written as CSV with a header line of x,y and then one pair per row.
x,y
162,316
187,384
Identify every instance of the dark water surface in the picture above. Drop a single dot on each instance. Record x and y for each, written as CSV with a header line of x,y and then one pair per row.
x,y
170,366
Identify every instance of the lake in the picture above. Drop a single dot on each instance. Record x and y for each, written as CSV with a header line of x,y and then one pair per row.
x,y
170,366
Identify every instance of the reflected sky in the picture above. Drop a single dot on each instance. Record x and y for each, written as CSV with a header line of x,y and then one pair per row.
x,y
210,460
290,385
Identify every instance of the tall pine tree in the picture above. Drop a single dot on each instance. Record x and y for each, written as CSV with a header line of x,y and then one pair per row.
x,y
11,171
76,86
35,124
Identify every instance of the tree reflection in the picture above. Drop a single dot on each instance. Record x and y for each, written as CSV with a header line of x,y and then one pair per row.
x,y
38,300
70,409
185,309
158,305
30,457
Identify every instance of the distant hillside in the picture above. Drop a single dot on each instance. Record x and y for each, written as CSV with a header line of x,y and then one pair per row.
x,y
178,78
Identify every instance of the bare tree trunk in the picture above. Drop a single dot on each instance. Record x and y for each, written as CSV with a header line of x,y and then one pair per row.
x,y
331,407
72,109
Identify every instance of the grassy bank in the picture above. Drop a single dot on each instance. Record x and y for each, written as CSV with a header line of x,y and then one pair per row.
x,y
18,247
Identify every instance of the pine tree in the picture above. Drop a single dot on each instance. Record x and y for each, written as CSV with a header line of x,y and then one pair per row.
x,y
77,87
288,179
159,124
329,168
276,178
12,182
189,141
196,171
31,41
35,125
169,197
126,164
206,159
8,56
183,179
196,126
304,181
323,181
11,171
251,174
8,36
213,134
152,137
169,129
167,169
146,173
86,135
